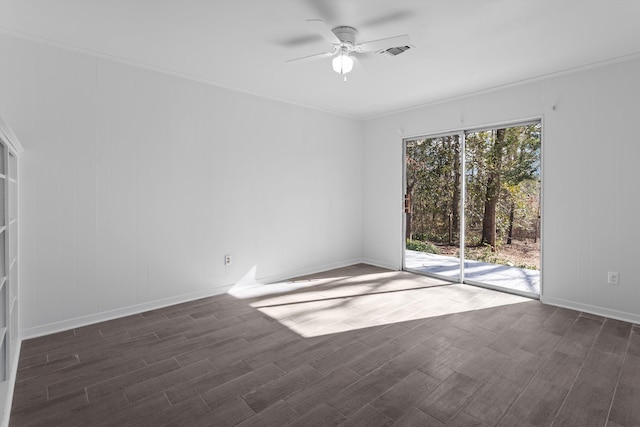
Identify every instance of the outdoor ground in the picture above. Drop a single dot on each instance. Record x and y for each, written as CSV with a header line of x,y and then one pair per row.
x,y
519,253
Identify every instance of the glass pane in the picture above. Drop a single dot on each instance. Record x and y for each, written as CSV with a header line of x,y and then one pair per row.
x,y
502,208
432,209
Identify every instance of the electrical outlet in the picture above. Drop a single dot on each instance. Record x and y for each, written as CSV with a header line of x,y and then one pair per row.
x,y
227,259
613,278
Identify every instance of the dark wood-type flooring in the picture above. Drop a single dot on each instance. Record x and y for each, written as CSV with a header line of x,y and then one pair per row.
x,y
427,356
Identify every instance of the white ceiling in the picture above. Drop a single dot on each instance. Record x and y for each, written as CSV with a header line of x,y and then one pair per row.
x,y
461,46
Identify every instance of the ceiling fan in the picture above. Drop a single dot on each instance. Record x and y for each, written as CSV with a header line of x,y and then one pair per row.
x,y
344,46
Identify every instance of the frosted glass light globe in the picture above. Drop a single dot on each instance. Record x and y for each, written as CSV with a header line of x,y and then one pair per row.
x,y
342,63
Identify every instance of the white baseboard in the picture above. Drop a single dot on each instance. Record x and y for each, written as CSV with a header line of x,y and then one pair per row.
x,y
139,308
78,322
307,271
381,264
598,311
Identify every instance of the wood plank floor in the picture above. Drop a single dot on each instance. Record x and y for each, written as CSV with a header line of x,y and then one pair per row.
x,y
358,346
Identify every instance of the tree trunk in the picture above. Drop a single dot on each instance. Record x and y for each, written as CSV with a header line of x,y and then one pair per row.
x,y
493,190
512,212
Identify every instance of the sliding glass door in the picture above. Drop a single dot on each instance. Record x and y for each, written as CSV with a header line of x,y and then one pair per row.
x,y
432,205
474,196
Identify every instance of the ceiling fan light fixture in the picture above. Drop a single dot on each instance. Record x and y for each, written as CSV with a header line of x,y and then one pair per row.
x,y
343,63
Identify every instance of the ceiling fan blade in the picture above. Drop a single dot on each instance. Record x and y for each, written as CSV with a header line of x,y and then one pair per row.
x,y
312,57
382,44
322,29
397,16
323,9
299,40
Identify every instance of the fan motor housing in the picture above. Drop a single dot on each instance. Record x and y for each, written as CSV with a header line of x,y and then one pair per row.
x,y
347,35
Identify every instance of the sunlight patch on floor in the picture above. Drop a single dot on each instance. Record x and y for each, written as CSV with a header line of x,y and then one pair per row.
x,y
339,303
336,285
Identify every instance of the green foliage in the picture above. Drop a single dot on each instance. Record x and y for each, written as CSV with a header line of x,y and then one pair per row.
x,y
426,247
527,266
508,174
433,181
438,238
486,254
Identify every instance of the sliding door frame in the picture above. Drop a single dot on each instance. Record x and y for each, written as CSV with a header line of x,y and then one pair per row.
x,y
461,136
462,133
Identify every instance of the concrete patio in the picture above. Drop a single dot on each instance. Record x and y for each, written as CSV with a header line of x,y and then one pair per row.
x,y
520,280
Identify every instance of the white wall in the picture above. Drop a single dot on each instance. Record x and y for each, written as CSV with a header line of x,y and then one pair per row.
x,y
135,184
591,198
